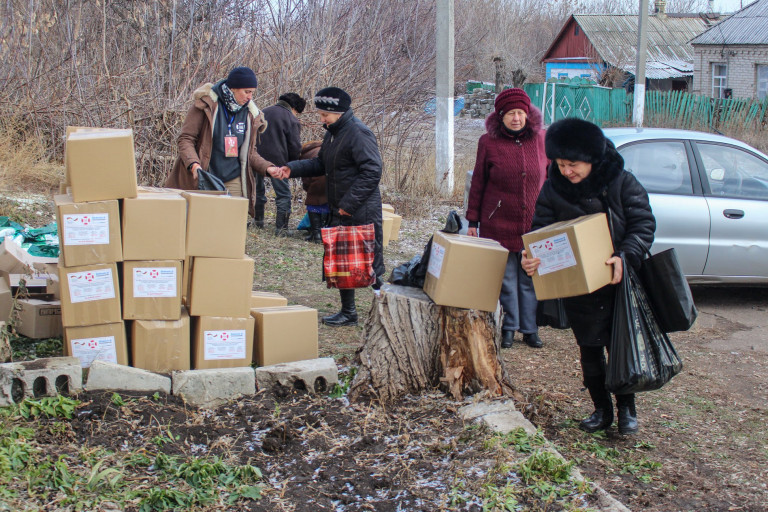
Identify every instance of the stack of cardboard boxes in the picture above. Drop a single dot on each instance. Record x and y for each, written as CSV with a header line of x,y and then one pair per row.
x,y
158,278
390,223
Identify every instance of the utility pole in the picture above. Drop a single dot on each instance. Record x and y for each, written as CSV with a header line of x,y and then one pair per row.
x,y
444,99
642,45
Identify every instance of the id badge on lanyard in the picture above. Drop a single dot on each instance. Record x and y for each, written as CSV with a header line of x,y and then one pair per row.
x,y
230,141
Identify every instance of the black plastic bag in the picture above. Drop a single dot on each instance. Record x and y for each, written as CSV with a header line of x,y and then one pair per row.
x,y
551,312
208,181
668,291
414,272
641,357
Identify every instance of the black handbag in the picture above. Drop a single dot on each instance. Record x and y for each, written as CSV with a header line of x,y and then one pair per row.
x,y
640,356
209,181
551,312
668,291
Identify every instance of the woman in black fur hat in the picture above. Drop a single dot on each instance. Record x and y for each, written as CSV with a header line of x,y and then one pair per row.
x,y
587,176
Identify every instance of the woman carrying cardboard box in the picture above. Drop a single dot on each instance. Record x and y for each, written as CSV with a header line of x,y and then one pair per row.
x,y
587,176
510,168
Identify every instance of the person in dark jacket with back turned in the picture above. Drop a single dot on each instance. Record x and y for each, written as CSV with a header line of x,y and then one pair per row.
x,y
280,143
510,169
587,176
350,160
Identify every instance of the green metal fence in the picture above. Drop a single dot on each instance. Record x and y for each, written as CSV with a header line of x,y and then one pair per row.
x,y
679,109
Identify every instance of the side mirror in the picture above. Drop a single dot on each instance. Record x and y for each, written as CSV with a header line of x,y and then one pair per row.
x,y
717,174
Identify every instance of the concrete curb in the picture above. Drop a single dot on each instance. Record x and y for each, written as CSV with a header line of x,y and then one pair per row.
x,y
502,416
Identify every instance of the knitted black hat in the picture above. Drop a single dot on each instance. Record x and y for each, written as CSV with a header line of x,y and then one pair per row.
x,y
576,140
332,99
242,78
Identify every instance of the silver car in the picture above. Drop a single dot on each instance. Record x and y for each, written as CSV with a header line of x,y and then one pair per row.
x,y
710,197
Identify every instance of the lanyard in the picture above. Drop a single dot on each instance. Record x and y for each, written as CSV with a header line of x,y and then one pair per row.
x,y
229,125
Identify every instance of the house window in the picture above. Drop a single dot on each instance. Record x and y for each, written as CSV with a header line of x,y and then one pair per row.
x,y
576,30
762,81
719,79
562,76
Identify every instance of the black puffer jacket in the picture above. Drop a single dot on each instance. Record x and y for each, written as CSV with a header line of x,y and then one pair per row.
x,y
607,184
350,160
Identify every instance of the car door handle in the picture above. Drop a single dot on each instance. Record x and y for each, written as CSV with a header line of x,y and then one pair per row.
x,y
733,214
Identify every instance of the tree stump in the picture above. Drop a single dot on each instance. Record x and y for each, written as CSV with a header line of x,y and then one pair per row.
x,y
410,344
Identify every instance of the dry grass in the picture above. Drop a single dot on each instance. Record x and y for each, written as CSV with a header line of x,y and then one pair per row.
x,y
23,163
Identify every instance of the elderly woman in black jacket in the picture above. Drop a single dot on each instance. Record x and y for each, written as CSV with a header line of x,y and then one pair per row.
x,y
349,158
587,176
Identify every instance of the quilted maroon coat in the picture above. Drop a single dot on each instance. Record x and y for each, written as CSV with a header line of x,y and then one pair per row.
x,y
509,172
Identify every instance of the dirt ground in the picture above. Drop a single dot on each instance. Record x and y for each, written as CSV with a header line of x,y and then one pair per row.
x,y
702,445
706,429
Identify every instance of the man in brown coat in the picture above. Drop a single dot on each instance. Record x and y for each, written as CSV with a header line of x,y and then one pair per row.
x,y
220,134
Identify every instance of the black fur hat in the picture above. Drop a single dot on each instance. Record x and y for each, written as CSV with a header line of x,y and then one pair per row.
x,y
576,140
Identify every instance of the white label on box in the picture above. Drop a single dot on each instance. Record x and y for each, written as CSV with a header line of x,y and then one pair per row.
x,y
436,255
86,229
224,345
89,350
555,253
154,282
91,285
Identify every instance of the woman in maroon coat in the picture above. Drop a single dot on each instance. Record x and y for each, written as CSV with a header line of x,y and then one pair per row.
x,y
509,172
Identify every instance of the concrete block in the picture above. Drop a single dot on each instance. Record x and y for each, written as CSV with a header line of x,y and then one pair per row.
x,y
500,416
479,409
106,375
38,378
310,376
210,388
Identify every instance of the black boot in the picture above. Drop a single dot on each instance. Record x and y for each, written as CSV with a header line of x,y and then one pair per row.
x,y
507,339
281,223
532,340
625,404
348,313
315,225
258,218
602,417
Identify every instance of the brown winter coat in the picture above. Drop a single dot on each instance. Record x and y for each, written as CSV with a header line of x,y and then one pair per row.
x,y
196,140
314,187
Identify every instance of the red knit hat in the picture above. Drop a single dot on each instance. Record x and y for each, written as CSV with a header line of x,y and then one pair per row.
x,y
510,99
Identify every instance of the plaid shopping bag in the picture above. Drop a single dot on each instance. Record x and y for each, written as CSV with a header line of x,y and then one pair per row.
x,y
348,258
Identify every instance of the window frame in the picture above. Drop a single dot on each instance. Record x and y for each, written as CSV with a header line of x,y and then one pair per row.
x,y
718,88
761,93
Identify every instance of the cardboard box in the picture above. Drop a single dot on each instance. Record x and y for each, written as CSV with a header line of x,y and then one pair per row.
x,y
573,255
90,295
6,300
39,318
397,220
152,290
386,228
387,208
39,285
284,334
103,342
267,300
15,260
162,346
186,277
216,225
465,271
221,287
88,232
154,227
222,342
101,165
